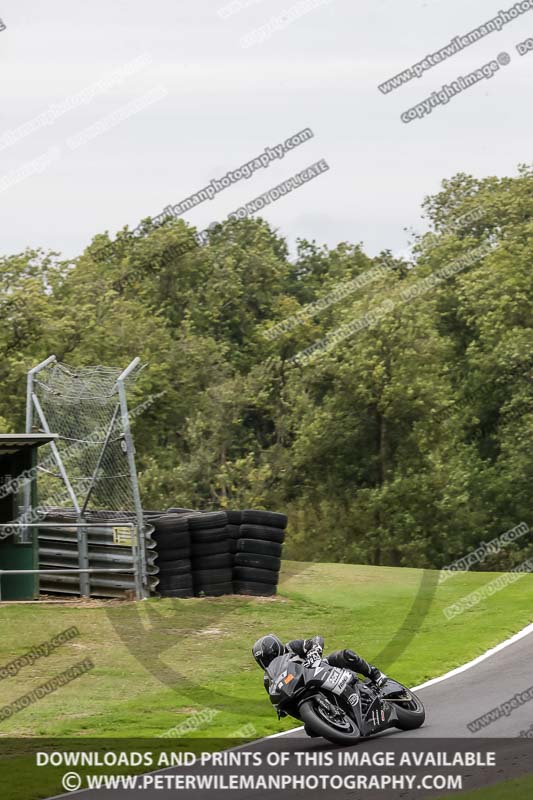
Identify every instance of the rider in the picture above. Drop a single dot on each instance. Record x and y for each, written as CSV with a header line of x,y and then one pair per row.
x,y
269,647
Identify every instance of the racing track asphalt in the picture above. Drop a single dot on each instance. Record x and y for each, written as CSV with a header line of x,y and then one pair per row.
x,y
451,703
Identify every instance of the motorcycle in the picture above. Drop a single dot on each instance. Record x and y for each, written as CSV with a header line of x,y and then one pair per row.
x,y
332,702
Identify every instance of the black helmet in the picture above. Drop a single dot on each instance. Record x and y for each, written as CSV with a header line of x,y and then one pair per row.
x,y
266,649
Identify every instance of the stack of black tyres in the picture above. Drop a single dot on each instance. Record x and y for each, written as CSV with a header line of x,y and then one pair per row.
x,y
173,545
211,558
257,560
234,529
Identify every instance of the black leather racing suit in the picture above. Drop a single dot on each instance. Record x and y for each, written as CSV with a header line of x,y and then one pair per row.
x,y
345,659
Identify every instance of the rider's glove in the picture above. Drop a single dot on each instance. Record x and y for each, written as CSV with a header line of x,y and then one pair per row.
x,y
314,655
377,677
317,642
313,649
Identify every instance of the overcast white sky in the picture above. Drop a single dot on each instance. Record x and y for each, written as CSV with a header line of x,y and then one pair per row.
x,y
225,104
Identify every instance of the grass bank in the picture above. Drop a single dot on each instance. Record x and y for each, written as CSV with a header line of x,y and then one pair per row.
x,y
157,664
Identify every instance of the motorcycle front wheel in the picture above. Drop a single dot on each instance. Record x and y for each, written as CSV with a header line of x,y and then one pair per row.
x,y
327,719
410,711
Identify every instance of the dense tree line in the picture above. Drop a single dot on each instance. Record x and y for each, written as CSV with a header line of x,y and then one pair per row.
x,y
406,443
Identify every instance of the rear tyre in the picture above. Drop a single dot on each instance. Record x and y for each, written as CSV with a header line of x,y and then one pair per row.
x,y
326,719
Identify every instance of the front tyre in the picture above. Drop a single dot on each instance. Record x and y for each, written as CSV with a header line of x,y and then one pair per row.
x,y
410,711
324,718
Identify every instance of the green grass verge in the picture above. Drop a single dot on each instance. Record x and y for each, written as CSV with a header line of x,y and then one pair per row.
x,y
159,661
516,789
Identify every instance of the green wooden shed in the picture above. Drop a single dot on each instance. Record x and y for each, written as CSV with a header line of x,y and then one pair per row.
x,y
18,483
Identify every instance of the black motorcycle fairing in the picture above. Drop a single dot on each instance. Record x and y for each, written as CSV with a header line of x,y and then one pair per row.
x,y
333,703
398,697
391,688
290,681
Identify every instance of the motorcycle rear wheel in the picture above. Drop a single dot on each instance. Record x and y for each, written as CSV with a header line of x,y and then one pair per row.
x,y
334,725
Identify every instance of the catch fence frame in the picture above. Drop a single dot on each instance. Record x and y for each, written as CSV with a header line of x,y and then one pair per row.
x,y
142,590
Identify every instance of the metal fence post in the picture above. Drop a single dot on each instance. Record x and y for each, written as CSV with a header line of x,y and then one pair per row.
x,y
139,545
83,545
25,533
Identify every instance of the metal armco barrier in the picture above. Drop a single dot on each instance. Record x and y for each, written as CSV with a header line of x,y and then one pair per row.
x,y
109,545
114,557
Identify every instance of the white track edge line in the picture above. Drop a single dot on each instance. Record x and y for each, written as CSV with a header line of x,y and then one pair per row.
x,y
475,661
